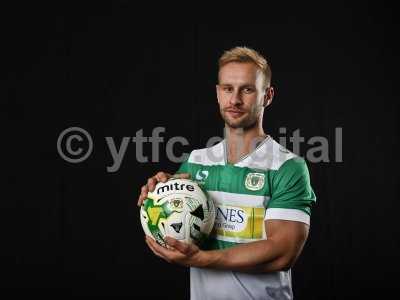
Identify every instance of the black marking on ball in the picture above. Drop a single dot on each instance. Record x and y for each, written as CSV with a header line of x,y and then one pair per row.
x,y
177,227
198,212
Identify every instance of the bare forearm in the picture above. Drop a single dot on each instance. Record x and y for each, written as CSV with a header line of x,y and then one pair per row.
x,y
260,256
278,252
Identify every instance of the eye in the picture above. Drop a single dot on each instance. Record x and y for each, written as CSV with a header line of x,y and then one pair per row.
x,y
248,90
227,89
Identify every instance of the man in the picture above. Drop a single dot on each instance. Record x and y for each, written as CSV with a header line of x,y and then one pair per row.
x,y
262,192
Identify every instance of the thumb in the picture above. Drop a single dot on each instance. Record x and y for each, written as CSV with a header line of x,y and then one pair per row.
x,y
181,247
181,176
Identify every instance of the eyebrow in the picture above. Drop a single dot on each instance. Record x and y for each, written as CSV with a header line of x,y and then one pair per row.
x,y
241,86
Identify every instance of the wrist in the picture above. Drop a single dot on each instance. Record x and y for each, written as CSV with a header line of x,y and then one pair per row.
x,y
209,258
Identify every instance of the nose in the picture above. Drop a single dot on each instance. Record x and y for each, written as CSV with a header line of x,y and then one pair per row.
x,y
235,98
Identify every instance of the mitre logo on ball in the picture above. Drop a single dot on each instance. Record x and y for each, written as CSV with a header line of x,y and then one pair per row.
x,y
178,208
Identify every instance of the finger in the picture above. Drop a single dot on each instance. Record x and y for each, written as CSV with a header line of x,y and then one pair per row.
x,y
143,195
180,246
167,253
162,176
159,250
144,189
151,183
148,242
181,176
152,248
151,243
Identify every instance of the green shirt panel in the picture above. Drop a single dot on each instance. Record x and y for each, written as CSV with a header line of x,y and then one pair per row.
x,y
288,187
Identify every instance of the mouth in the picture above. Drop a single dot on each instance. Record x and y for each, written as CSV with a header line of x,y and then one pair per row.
x,y
235,113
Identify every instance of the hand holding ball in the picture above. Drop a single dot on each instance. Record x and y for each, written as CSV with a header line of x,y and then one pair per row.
x,y
178,208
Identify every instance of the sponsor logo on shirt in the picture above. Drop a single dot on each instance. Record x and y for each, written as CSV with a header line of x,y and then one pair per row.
x,y
239,222
231,218
255,181
201,175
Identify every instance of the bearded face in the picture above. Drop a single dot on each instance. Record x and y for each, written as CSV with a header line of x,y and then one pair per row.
x,y
241,95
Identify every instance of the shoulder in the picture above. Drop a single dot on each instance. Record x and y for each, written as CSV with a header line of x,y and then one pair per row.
x,y
281,156
208,156
270,155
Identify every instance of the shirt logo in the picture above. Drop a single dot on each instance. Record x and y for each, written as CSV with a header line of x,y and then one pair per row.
x,y
238,223
201,175
255,181
230,218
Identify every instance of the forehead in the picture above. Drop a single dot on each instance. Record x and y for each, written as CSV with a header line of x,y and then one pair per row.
x,y
237,72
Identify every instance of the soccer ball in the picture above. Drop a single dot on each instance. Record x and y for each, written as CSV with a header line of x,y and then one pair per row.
x,y
178,208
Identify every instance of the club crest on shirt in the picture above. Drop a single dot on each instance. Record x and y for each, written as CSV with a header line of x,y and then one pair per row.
x,y
255,181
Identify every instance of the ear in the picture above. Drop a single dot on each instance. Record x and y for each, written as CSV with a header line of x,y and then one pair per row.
x,y
268,96
217,90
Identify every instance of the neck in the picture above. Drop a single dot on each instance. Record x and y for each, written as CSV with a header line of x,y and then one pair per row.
x,y
242,141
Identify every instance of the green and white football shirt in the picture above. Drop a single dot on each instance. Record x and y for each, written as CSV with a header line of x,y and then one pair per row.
x,y
269,183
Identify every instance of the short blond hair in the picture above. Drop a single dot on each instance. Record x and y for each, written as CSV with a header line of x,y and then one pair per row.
x,y
244,55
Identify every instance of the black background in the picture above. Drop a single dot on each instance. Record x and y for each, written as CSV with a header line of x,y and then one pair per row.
x,y
111,69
